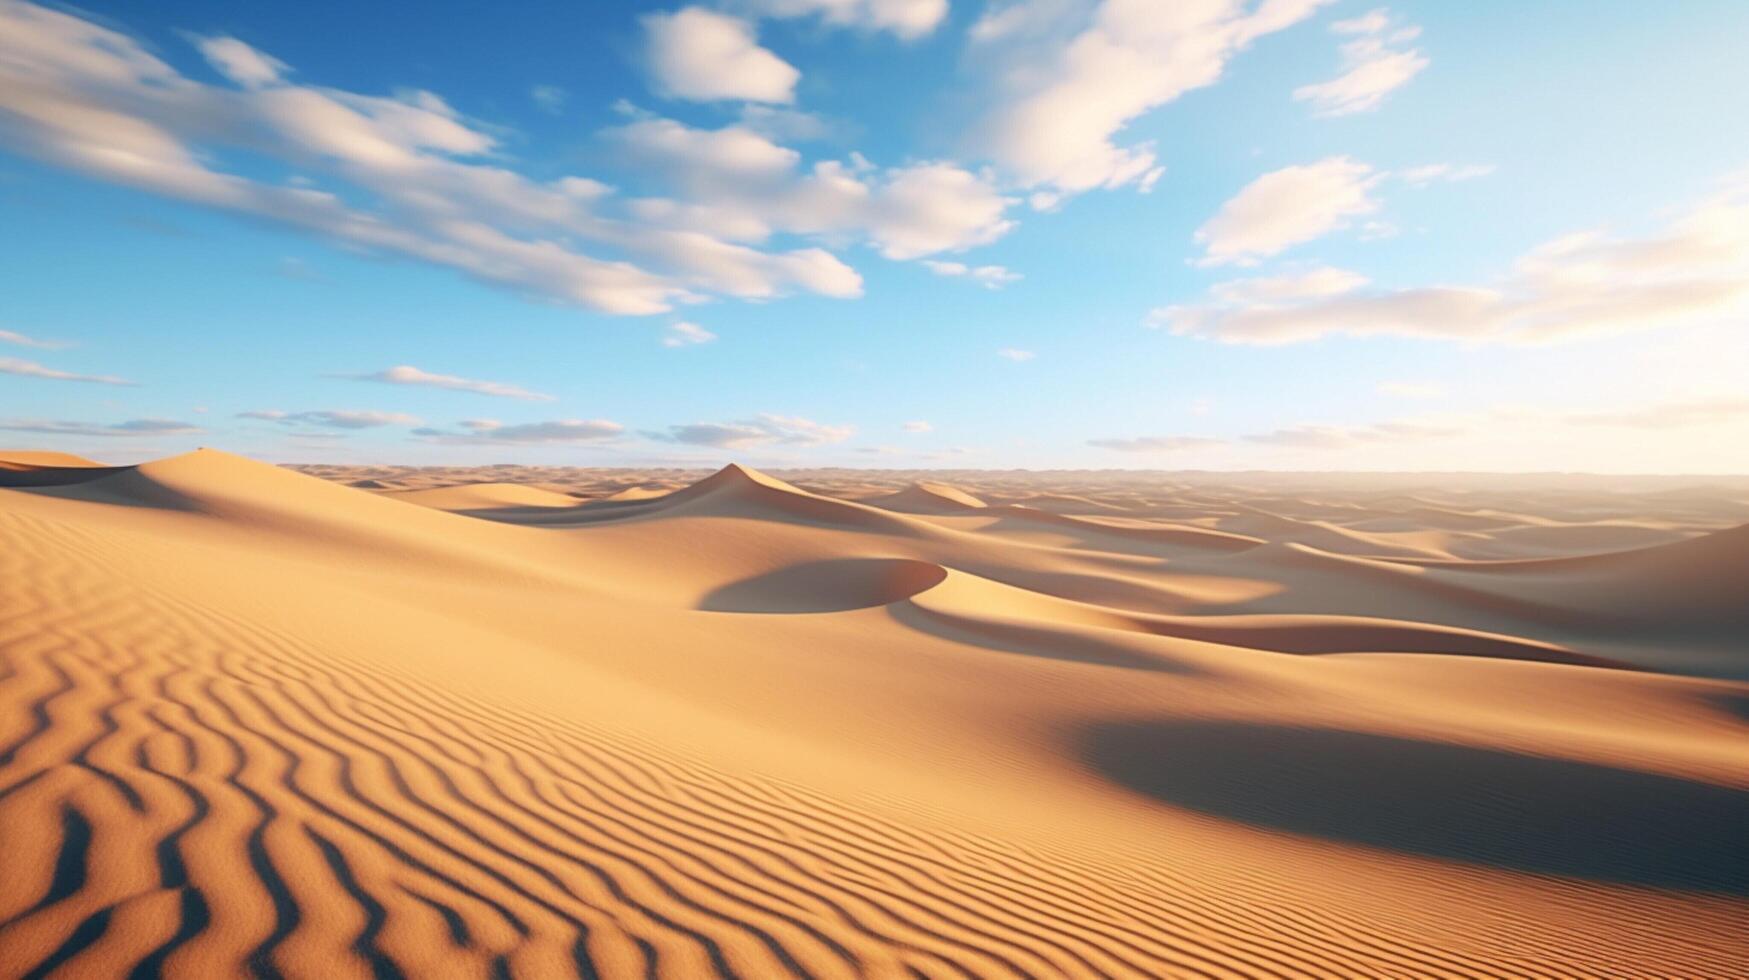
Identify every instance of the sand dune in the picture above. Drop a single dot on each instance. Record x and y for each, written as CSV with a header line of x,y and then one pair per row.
x,y
599,723
928,498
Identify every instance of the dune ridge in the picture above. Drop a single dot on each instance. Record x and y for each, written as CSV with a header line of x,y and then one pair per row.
x,y
260,723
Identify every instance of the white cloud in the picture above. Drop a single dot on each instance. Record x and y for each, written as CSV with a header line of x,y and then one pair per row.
x,y
1156,444
1016,354
23,340
1448,172
133,427
475,432
918,426
1374,64
31,369
1411,389
410,176
738,184
1069,83
763,430
239,62
706,159
991,276
705,56
1287,207
1581,285
333,419
406,374
935,207
908,19
684,334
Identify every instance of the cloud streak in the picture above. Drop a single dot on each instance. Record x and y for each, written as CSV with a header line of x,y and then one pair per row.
x,y
349,419
907,19
988,276
31,369
684,334
24,340
765,429
1375,63
1287,207
488,432
130,428
406,374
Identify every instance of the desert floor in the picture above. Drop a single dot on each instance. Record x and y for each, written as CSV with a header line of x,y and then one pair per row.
x,y
540,722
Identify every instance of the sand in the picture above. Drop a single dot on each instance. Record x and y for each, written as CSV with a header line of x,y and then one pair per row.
x,y
385,721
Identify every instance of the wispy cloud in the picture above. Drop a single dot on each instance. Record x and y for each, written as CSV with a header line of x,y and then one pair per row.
x,y
1306,435
1450,173
1376,61
989,276
1313,436
333,418
684,334
909,19
763,430
1156,444
1016,354
494,432
24,340
31,369
132,427
406,374
1288,207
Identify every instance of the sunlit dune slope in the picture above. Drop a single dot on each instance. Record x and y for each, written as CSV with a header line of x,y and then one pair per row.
x,y
253,722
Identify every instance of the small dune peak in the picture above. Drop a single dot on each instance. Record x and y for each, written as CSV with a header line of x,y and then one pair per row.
x,y
926,497
37,459
947,492
736,475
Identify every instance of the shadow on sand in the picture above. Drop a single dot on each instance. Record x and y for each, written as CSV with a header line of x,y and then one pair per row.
x,y
1482,806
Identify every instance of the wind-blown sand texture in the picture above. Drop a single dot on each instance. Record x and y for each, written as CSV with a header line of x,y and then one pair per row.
x,y
547,723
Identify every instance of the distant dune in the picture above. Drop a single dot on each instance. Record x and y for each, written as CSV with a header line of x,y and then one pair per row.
x,y
543,722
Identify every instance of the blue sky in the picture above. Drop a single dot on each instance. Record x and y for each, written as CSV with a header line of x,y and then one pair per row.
x,y
943,233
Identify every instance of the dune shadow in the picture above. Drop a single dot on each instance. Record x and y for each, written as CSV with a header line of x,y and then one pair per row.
x,y
1481,806
1042,640
829,585
119,486
55,476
